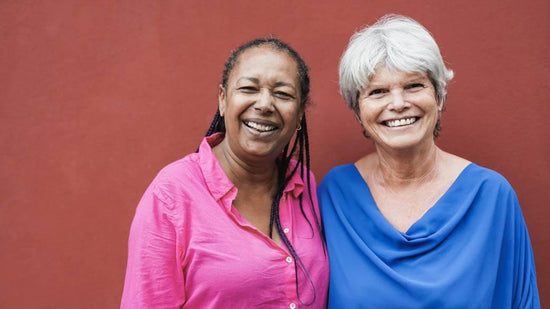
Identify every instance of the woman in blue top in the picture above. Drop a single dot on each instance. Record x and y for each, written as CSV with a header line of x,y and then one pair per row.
x,y
410,225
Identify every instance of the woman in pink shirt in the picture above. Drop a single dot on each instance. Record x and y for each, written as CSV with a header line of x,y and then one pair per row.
x,y
236,224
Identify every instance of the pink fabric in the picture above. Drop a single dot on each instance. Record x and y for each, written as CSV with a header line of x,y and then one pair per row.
x,y
189,248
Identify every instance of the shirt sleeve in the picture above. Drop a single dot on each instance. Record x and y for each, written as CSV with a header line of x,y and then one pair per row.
x,y
525,283
154,276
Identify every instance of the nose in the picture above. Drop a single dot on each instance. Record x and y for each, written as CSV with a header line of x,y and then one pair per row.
x,y
264,103
398,101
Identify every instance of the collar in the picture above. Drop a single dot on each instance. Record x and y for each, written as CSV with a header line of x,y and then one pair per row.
x,y
217,181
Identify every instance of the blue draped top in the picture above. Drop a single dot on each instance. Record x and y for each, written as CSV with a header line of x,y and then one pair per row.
x,y
469,250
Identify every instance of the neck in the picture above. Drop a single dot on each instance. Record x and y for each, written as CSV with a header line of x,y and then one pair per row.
x,y
399,168
244,173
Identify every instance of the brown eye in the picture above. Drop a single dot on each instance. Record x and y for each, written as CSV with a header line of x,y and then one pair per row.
x,y
377,92
283,95
415,86
247,89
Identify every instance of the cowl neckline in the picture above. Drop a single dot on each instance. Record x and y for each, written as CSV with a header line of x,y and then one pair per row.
x,y
434,224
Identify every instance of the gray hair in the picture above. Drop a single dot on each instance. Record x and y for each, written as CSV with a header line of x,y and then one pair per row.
x,y
398,42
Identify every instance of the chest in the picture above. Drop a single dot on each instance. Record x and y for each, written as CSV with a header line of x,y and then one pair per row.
x,y
402,207
223,253
256,210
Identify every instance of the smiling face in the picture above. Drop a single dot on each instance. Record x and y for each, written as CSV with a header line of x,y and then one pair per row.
x,y
399,110
261,103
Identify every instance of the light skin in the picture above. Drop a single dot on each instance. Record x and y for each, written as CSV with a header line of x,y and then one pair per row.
x,y
262,108
407,173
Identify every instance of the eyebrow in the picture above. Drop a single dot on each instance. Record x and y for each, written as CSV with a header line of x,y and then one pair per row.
x,y
415,79
282,84
252,79
418,79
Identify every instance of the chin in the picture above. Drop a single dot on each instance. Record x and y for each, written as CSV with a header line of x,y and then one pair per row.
x,y
404,142
261,150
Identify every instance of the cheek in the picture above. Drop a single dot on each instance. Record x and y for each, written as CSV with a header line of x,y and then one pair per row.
x,y
365,116
290,113
235,106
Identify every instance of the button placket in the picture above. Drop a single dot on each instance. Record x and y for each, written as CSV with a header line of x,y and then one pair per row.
x,y
286,213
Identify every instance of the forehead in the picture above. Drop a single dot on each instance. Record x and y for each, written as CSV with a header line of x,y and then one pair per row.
x,y
386,74
265,62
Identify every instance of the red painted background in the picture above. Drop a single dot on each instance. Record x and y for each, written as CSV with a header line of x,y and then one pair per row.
x,y
97,96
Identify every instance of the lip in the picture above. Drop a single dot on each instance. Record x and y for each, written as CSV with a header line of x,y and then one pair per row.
x,y
399,118
261,122
385,121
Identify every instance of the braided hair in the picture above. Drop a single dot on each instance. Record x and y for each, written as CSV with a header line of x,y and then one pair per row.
x,y
298,148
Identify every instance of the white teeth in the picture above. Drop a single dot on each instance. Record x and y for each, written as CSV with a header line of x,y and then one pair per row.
x,y
259,127
400,122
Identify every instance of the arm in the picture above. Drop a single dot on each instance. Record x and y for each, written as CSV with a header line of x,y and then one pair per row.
x,y
154,276
525,283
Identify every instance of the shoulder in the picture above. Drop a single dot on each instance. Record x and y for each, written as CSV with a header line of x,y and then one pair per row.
x,y
182,168
292,165
336,175
172,180
486,176
307,179
488,189
340,171
471,172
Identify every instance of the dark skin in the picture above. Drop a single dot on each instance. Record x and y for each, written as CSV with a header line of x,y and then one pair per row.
x,y
256,184
261,107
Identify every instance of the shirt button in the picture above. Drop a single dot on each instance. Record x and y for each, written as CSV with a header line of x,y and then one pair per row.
x,y
286,230
292,305
288,259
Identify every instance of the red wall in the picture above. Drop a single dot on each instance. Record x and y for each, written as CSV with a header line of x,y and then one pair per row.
x,y
97,96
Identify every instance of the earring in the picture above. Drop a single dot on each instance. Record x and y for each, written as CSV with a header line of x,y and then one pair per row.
x,y
299,127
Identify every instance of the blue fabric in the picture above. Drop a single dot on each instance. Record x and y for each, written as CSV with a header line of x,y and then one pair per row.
x,y
470,250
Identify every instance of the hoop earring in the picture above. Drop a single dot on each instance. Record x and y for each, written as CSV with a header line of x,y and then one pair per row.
x,y
299,127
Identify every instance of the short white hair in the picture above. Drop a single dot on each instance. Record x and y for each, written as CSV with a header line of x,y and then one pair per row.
x,y
399,43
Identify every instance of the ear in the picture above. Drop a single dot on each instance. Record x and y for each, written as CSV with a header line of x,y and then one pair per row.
x,y
301,114
358,118
439,104
440,108
222,96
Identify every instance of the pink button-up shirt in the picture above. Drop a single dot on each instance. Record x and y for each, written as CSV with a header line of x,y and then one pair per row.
x,y
190,248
